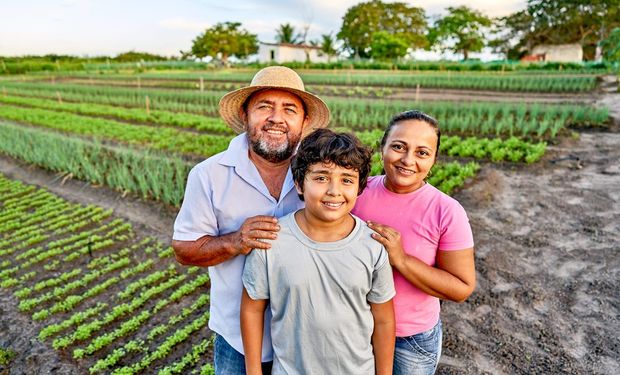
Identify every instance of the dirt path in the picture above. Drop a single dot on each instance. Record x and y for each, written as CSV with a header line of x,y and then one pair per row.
x,y
547,256
547,249
431,94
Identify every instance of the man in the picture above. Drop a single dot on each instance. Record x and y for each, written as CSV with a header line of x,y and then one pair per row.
x,y
233,198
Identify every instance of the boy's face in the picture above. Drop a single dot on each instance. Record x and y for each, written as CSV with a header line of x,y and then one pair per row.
x,y
329,191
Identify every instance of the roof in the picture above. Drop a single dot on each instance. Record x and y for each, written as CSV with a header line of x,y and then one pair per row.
x,y
291,45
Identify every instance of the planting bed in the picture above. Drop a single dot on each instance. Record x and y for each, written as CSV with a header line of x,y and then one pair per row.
x,y
546,255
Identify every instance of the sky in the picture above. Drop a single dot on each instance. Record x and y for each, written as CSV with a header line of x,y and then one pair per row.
x,y
109,27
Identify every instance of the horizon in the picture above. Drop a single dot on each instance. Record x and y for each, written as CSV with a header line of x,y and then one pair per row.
x,y
82,28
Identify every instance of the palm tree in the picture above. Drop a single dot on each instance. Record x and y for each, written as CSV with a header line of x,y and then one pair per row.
x,y
328,46
286,34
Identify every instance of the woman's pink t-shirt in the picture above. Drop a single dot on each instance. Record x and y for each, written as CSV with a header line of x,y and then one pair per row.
x,y
428,220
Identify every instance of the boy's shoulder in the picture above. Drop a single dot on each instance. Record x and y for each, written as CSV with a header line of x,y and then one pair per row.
x,y
365,237
287,223
286,234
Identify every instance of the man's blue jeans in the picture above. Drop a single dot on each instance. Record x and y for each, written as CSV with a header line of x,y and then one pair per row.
x,y
228,361
418,354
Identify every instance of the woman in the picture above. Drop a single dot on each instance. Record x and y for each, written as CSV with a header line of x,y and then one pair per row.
x,y
427,236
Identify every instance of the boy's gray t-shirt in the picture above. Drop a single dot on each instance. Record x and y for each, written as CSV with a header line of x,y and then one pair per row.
x,y
318,294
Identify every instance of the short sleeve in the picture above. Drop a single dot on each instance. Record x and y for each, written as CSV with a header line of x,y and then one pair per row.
x,y
382,289
196,217
456,232
255,278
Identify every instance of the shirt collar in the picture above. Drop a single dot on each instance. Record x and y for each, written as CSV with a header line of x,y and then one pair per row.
x,y
237,156
237,149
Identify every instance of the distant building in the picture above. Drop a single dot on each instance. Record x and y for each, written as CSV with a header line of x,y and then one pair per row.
x,y
556,53
286,52
533,58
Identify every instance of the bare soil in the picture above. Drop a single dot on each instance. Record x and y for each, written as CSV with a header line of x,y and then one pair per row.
x,y
547,261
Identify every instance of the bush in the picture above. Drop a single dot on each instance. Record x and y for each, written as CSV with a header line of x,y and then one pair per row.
x,y
6,356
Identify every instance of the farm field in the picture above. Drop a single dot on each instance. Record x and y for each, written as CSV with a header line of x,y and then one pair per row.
x,y
99,291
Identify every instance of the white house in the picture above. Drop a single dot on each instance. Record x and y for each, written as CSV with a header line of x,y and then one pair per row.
x,y
559,52
286,52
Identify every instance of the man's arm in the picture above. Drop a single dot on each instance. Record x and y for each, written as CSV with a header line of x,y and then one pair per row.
x,y
383,337
209,250
252,318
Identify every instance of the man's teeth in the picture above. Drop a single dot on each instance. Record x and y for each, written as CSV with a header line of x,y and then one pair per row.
x,y
272,131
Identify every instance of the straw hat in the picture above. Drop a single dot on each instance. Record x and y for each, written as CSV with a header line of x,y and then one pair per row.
x,y
274,77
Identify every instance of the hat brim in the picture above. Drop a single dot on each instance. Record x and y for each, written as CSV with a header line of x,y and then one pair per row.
x,y
230,107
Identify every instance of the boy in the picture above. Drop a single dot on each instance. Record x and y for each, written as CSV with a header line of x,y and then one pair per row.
x,y
328,284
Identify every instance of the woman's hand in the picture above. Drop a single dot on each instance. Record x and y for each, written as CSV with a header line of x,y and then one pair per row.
x,y
453,277
390,239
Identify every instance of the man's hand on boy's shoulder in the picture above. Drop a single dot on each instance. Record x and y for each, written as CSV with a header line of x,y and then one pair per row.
x,y
253,231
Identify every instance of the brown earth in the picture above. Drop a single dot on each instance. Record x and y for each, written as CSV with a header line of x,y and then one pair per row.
x,y
547,263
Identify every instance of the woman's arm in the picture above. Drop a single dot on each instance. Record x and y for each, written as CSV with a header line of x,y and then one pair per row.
x,y
453,278
252,318
383,337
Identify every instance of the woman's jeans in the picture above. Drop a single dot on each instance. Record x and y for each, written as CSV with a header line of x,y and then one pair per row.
x,y
418,354
228,361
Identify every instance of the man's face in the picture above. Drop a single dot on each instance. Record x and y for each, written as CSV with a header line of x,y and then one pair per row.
x,y
274,123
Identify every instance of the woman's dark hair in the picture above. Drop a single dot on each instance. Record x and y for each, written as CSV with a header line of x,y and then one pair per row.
x,y
412,115
325,146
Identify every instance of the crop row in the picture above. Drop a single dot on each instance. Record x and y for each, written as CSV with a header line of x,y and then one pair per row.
x,y
446,176
145,173
139,319
476,81
82,243
512,149
121,169
113,305
138,345
156,117
168,139
177,101
472,118
28,235
337,90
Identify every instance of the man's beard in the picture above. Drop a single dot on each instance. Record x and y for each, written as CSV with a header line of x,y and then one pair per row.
x,y
271,153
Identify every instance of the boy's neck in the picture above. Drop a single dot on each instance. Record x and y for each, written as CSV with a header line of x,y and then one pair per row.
x,y
322,231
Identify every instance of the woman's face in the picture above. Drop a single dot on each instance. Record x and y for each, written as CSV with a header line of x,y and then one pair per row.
x,y
408,155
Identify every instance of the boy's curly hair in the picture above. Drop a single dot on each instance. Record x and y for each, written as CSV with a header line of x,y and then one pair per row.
x,y
326,146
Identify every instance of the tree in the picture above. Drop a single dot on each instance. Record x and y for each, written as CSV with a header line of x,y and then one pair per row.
x,y
223,41
328,45
462,30
386,46
286,34
611,46
363,20
578,21
587,22
509,34
133,56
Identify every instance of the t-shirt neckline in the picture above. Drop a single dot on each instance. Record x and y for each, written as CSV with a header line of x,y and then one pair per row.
x,y
328,246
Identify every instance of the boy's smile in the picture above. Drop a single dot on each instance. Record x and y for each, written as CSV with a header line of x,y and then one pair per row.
x,y
330,192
